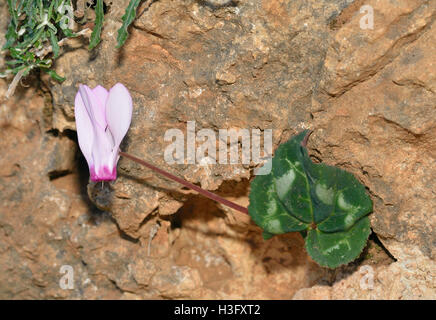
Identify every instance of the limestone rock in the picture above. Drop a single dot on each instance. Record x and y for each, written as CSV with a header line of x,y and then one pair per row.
x,y
375,114
403,280
369,96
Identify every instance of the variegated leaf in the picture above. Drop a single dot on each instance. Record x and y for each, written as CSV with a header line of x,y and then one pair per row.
x,y
325,203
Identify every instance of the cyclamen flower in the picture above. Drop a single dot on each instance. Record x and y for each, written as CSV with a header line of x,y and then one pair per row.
x,y
102,121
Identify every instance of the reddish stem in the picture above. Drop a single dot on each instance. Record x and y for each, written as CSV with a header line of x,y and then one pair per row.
x,y
192,186
304,142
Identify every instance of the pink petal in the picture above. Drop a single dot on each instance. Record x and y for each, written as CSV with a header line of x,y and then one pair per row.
x,y
118,113
85,129
105,174
102,153
95,106
101,93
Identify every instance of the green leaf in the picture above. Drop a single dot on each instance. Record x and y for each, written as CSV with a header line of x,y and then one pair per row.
x,y
96,32
268,211
33,24
69,33
31,40
50,10
290,180
20,6
54,75
326,204
17,69
44,63
12,4
127,18
54,43
11,37
337,248
13,62
41,9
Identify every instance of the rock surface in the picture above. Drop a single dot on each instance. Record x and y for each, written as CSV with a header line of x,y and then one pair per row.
x,y
369,96
379,88
408,279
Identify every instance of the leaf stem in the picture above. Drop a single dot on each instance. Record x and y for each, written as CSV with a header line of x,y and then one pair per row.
x,y
187,184
304,142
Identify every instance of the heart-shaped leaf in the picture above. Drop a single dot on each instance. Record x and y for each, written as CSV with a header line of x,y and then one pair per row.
x,y
326,203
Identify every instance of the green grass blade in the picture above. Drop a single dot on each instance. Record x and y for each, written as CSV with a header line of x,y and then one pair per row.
x,y
11,37
96,33
54,75
54,43
128,18
13,11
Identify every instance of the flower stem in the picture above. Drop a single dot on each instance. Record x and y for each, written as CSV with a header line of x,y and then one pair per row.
x,y
190,185
304,142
